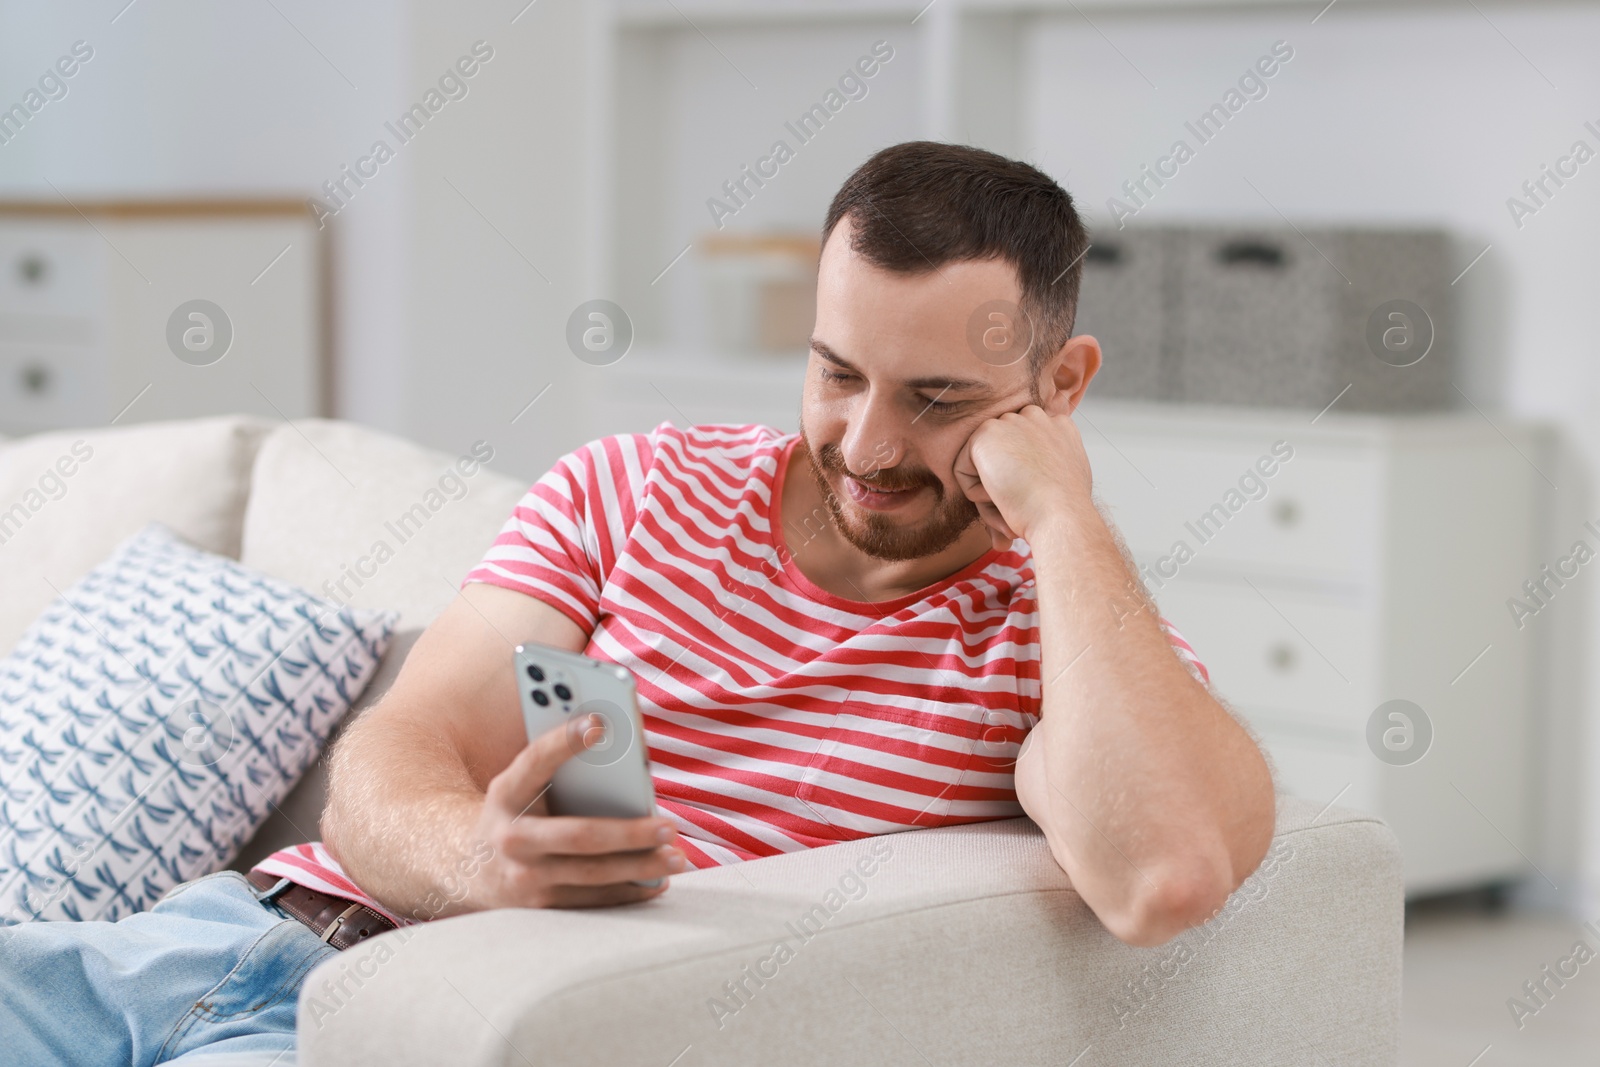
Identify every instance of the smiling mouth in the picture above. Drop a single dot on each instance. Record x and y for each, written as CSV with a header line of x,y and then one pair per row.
x,y
877,499
881,489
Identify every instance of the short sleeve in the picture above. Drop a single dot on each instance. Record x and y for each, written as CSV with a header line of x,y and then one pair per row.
x,y
1186,653
564,536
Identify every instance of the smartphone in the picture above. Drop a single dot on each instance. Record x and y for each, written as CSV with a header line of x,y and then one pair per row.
x,y
612,778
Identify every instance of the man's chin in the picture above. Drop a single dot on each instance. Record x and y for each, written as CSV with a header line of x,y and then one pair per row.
x,y
913,535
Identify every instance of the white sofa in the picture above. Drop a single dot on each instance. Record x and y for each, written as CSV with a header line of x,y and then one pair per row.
x,y
952,946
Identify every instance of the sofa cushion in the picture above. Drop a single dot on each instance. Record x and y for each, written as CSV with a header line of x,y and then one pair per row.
x,y
151,718
364,518
67,498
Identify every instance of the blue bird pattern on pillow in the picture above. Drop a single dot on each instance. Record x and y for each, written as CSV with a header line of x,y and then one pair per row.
x,y
152,717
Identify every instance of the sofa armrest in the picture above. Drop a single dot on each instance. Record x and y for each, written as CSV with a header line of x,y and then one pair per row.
x,y
954,945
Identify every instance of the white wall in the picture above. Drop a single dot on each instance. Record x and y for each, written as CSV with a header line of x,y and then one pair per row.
x,y
498,212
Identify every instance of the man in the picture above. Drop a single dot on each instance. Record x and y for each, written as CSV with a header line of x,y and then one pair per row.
x,y
908,614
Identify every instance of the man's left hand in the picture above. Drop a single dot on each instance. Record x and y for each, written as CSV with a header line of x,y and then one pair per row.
x,y
1022,467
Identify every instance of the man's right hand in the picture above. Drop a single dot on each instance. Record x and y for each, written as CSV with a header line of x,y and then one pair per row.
x,y
541,860
435,793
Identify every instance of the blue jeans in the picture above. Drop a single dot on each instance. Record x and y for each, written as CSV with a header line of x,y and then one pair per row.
x,y
208,977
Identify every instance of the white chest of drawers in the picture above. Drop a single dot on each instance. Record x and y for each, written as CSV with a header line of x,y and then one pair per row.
x,y
1373,564
88,291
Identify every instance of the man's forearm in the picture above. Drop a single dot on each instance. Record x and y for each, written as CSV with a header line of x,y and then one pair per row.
x,y
1158,802
404,835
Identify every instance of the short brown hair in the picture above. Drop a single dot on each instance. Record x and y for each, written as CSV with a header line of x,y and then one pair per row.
x,y
916,206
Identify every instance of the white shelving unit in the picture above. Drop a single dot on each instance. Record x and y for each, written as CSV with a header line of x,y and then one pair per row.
x,y
688,93
685,116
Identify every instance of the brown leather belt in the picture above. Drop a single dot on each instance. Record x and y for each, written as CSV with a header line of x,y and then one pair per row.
x,y
339,922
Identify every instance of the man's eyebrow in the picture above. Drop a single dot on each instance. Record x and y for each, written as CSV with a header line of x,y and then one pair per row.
x,y
934,382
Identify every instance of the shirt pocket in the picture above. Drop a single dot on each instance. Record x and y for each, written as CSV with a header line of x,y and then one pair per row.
x,y
881,769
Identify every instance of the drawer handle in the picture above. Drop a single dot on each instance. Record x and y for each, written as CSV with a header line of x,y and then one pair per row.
x,y
1252,253
1286,513
1282,657
1105,255
32,269
35,378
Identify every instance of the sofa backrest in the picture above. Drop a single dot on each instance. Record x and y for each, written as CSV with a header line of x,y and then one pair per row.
x,y
67,498
343,510
364,518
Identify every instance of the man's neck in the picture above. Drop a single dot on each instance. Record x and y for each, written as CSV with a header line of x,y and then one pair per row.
x,y
834,564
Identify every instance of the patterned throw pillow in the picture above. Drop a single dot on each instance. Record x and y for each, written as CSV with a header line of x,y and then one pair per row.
x,y
153,715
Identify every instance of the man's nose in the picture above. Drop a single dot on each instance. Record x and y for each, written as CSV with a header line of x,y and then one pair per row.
x,y
875,441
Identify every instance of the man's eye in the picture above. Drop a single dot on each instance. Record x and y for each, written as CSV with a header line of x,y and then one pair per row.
x,y
938,407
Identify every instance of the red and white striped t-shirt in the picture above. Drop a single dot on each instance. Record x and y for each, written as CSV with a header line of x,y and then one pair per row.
x,y
778,716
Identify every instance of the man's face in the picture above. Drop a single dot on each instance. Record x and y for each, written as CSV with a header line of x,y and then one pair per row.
x,y
893,390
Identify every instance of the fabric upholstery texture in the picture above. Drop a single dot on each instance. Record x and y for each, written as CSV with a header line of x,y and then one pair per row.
x,y
965,945
397,524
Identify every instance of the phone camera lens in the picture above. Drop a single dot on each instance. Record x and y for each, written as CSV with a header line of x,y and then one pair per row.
x,y
563,692
540,698
535,672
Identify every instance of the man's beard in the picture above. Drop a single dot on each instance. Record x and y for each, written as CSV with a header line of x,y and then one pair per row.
x,y
878,534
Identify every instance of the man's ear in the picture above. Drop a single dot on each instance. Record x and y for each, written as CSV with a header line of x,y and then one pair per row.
x,y
1068,374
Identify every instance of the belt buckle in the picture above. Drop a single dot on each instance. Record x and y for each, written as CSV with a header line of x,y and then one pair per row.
x,y
339,920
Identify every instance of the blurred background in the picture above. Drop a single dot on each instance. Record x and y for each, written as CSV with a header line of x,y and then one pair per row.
x,y
1347,324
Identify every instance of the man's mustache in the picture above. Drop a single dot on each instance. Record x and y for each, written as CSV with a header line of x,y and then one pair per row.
x,y
887,481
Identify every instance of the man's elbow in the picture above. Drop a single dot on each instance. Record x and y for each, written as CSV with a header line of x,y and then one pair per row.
x,y
1185,894
1165,905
